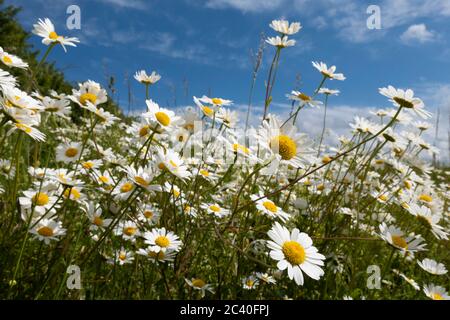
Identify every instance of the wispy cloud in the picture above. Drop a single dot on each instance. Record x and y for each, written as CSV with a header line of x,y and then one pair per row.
x,y
131,4
418,33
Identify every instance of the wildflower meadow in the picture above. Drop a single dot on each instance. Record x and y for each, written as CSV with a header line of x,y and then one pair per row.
x,y
202,203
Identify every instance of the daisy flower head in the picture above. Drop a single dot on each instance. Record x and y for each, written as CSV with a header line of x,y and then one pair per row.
x,y
46,30
208,111
228,117
162,240
432,266
269,208
123,190
165,118
170,160
128,230
280,42
149,213
283,27
396,238
304,99
250,282
411,281
89,91
11,60
329,92
430,219
217,102
199,284
405,99
436,292
40,200
285,143
32,132
142,177
265,277
60,108
47,230
68,152
122,257
94,214
328,72
294,251
157,256
143,78
215,209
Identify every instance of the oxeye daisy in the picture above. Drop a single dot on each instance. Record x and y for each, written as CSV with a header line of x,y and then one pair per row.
x,y
91,165
432,266
269,208
411,281
285,143
227,117
171,161
173,189
189,210
46,30
60,108
143,78
329,92
94,214
68,152
122,257
250,282
47,230
205,173
265,277
396,238
217,102
280,42
165,118
89,91
405,99
74,193
436,292
149,213
328,72
206,110
41,200
142,177
304,99
157,256
215,209
11,60
124,189
283,27
294,251
162,240
201,285
431,220
29,130
128,230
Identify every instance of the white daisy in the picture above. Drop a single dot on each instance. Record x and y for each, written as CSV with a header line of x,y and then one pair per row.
x,y
283,27
68,152
280,42
396,238
304,98
269,208
199,284
294,251
328,72
143,78
432,266
436,292
47,230
11,60
405,99
46,30
162,240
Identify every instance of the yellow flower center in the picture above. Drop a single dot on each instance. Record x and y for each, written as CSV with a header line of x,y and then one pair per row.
x,y
141,181
437,296
156,255
88,165
269,205
162,241
407,184
162,118
208,111
237,147
293,252
287,148
148,214
98,221
176,193
214,208
426,198
126,187
45,231
198,283
382,197
161,166
326,159
103,179
40,199
404,103
7,60
173,163
53,35
71,152
304,97
122,256
249,283
204,172
92,98
399,242
129,231
143,131
217,101
72,192
23,127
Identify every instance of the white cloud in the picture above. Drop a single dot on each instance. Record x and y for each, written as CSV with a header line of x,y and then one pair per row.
x,y
418,33
245,5
131,4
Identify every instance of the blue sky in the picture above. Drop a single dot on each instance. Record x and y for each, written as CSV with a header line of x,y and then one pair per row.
x,y
208,43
